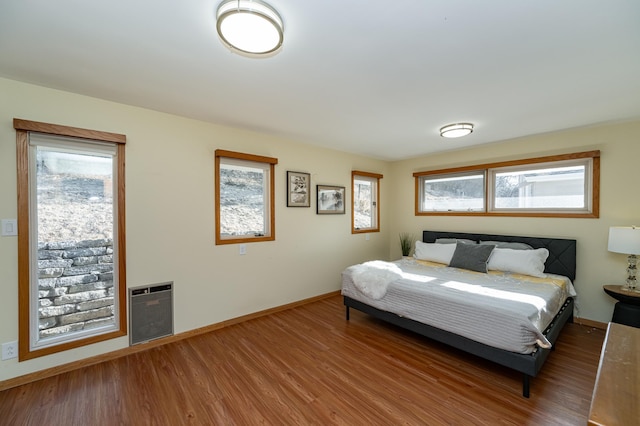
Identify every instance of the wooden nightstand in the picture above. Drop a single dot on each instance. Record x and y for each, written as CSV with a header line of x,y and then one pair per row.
x,y
627,310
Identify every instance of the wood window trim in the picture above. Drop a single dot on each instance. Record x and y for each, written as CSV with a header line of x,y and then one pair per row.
x,y
221,153
74,132
23,128
595,194
367,174
377,176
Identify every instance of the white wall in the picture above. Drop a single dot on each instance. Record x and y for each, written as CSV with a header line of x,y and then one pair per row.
x,y
619,203
170,216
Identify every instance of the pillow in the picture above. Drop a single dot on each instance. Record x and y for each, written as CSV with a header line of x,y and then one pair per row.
x,y
528,262
440,253
509,245
472,257
453,241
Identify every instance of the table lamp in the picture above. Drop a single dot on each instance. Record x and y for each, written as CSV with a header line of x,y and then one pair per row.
x,y
626,240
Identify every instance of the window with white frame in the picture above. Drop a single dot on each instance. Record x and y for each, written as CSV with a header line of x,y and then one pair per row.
x,y
450,192
71,241
560,186
365,202
245,209
563,186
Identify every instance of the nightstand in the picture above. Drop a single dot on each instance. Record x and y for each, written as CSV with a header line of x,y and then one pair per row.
x,y
627,310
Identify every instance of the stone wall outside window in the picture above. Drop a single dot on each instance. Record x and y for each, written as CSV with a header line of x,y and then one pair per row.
x,y
75,286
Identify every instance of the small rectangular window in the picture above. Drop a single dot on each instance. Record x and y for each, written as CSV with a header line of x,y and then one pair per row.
x,y
542,187
365,202
462,192
244,198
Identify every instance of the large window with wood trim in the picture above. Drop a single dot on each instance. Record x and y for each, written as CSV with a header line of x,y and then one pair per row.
x,y
365,202
553,186
244,192
71,239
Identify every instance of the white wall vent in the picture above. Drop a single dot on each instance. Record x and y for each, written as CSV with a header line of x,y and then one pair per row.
x,y
150,312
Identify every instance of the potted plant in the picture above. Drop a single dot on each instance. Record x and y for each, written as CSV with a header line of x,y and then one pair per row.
x,y
406,241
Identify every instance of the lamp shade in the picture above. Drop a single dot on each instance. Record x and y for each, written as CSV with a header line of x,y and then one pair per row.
x,y
624,239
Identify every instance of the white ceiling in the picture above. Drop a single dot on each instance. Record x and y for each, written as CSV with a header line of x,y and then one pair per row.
x,y
377,78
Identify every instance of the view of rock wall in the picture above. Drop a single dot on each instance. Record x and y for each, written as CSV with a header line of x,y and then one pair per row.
x,y
75,243
75,286
241,202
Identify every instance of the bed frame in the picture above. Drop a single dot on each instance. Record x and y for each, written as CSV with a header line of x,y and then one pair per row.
x,y
561,260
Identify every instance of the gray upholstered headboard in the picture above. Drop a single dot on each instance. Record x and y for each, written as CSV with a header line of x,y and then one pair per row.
x,y
562,252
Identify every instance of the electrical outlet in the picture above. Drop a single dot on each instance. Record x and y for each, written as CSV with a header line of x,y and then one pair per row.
x,y
243,249
9,350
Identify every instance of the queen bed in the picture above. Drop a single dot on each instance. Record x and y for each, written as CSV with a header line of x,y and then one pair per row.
x,y
503,298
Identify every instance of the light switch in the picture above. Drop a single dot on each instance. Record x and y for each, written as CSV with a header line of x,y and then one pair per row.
x,y
9,227
243,249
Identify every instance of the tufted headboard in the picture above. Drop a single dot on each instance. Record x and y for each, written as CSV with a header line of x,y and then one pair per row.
x,y
562,252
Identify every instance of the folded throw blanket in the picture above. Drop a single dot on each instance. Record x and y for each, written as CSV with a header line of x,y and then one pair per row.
x,y
373,278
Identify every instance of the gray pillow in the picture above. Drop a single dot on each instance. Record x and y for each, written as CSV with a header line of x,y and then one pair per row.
x,y
472,257
507,244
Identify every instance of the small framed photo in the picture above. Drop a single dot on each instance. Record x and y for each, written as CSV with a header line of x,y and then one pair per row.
x,y
298,185
330,199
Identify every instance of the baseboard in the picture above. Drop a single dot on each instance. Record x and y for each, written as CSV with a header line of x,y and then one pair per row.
x,y
54,371
591,323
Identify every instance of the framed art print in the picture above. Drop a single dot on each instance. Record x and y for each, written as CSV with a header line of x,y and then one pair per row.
x,y
298,184
330,199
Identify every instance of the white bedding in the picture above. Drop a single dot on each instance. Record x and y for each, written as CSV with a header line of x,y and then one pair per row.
x,y
503,310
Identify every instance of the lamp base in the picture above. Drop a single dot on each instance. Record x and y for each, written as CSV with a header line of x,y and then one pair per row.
x,y
630,284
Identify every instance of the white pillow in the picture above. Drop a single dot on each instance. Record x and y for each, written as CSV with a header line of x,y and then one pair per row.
x,y
441,253
510,245
528,262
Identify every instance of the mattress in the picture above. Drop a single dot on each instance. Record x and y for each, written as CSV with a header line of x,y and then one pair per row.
x,y
500,309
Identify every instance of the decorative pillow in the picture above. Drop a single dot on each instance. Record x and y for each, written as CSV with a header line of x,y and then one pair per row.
x,y
440,253
509,245
472,257
528,262
453,241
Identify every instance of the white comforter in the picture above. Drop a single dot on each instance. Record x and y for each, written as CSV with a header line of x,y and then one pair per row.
x,y
503,310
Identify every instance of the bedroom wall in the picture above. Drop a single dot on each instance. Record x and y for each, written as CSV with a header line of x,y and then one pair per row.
x,y
170,216
619,203
170,204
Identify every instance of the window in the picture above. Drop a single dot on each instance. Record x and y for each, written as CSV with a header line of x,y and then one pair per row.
x,y
555,186
71,242
365,208
453,192
244,197
561,186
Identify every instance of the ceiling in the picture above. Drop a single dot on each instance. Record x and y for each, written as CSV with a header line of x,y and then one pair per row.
x,y
377,78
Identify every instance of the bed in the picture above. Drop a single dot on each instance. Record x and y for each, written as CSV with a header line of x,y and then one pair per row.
x,y
455,306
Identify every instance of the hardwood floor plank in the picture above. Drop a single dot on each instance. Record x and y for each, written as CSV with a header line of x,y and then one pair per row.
x,y
309,366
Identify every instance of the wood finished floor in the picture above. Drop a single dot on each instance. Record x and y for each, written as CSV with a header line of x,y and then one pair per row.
x,y
309,366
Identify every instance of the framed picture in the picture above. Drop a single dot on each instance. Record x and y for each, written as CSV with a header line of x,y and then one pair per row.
x,y
298,185
330,199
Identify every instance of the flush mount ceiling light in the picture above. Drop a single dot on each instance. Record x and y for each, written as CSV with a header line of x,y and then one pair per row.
x,y
456,130
250,27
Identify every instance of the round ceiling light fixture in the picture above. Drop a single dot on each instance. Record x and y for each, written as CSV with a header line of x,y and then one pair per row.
x,y
456,130
250,27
